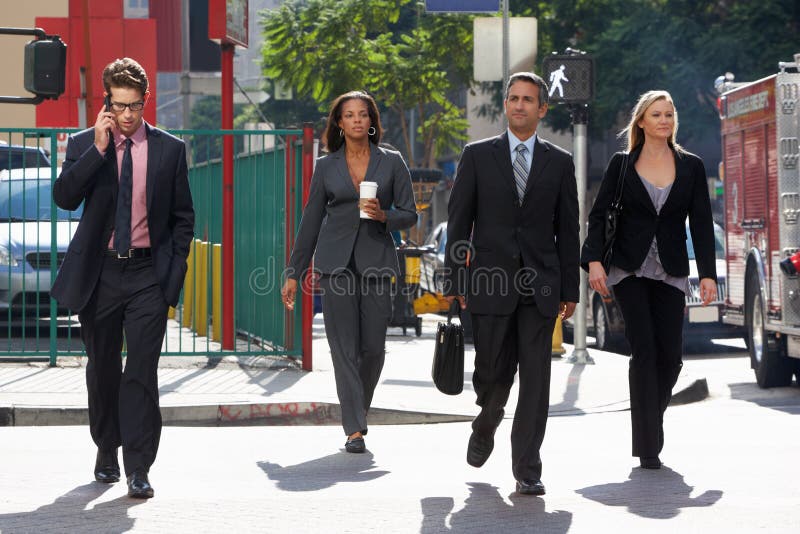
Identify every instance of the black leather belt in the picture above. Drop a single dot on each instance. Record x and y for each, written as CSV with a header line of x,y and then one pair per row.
x,y
131,254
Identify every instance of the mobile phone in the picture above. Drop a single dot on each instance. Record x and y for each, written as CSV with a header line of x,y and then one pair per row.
x,y
107,102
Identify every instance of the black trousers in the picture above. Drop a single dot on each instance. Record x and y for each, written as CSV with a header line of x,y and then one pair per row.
x,y
356,311
123,403
653,313
502,342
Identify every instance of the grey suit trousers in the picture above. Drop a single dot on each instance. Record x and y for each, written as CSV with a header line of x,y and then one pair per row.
x,y
356,311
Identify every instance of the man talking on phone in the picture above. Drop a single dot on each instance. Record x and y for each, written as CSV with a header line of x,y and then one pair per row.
x,y
124,267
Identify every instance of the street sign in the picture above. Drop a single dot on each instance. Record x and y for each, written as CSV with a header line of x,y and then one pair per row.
x,y
570,78
462,6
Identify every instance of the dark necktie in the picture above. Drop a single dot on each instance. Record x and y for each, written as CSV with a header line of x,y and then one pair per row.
x,y
520,171
122,223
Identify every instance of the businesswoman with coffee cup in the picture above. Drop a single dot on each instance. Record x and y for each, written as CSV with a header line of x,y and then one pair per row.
x,y
360,193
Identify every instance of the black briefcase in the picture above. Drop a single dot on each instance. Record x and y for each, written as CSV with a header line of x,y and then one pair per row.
x,y
448,358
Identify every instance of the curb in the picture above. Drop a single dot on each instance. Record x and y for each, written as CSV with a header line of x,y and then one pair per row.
x,y
250,414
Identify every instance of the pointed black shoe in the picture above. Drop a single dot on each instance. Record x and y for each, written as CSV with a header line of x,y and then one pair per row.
x,y
355,445
479,449
530,487
649,462
139,486
106,467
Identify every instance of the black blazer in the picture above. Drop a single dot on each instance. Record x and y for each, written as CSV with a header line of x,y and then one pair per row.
x,y
331,225
532,249
639,222
88,177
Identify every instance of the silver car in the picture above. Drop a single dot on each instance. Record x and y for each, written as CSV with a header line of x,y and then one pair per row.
x,y
26,234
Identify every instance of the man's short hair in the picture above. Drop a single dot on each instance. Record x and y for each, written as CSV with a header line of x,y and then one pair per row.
x,y
544,92
125,72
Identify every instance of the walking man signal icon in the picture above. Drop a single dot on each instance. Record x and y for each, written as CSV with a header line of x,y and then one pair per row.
x,y
556,77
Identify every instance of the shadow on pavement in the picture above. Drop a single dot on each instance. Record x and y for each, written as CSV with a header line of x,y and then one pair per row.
x,y
567,405
323,472
68,514
785,399
652,494
485,510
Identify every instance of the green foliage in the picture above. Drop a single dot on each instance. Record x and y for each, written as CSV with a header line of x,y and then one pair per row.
x,y
405,59
677,45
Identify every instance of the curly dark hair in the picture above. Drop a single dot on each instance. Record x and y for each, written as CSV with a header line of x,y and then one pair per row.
x,y
333,137
125,72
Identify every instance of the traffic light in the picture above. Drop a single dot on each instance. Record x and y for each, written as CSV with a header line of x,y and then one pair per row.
x,y
45,66
570,77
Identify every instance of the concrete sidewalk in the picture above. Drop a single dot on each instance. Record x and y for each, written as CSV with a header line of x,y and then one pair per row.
x,y
262,391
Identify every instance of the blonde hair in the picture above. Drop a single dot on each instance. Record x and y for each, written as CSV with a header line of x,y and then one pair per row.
x,y
635,133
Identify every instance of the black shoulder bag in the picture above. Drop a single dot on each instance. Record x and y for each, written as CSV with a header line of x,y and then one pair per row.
x,y
448,358
612,216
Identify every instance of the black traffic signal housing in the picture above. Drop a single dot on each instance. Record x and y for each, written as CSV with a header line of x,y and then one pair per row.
x,y
45,67
570,77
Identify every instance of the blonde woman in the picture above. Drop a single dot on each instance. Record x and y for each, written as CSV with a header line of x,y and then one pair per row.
x,y
649,267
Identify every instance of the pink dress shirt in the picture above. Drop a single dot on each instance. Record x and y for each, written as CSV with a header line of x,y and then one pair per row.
x,y
140,235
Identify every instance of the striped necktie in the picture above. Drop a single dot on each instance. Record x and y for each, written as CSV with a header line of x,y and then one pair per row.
x,y
521,170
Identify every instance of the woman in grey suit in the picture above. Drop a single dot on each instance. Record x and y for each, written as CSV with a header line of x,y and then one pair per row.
x,y
354,257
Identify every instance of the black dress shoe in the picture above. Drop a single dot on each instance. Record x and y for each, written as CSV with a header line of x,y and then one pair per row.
x,y
106,467
530,487
139,486
479,449
355,445
649,462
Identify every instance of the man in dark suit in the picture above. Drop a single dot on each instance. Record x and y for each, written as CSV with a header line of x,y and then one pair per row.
x,y
513,251
125,266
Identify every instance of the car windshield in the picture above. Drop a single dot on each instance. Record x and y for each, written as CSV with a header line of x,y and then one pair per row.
x,y
719,243
29,200
17,157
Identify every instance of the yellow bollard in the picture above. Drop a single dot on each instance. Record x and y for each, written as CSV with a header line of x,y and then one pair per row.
x,y
216,292
171,313
558,338
188,288
201,290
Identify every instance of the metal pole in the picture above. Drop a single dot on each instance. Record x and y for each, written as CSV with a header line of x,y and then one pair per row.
x,y
227,198
186,67
506,52
579,119
307,296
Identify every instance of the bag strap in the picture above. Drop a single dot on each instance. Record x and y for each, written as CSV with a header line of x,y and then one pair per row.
x,y
455,305
623,170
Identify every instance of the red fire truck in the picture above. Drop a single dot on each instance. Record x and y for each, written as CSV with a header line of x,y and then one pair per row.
x,y
760,131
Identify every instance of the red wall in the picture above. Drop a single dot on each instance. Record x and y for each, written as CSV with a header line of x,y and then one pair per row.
x,y
111,37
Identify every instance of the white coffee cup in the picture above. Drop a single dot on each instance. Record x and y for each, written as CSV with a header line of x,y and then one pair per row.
x,y
367,190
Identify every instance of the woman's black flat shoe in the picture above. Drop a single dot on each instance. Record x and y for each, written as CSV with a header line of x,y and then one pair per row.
x,y
355,445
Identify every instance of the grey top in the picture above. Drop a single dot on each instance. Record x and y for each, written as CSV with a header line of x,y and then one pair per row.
x,y
651,266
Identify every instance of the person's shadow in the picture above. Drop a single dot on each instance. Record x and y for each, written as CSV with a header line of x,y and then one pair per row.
x,y
653,494
323,472
70,512
485,510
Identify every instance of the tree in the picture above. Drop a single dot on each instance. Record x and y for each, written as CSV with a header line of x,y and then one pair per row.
x,y
405,59
677,45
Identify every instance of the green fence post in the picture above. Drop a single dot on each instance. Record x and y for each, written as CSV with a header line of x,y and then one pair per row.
x,y
53,249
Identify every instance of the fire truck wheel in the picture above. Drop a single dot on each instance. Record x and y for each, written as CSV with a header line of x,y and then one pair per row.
x,y
767,355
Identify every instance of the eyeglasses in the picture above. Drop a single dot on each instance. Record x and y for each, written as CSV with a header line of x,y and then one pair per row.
x,y
119,107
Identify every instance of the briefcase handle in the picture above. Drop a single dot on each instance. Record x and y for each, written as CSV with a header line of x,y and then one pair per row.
x,y
454,305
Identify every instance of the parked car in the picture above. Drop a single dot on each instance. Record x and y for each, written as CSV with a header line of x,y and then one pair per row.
x,y
22,157
25,245
701,323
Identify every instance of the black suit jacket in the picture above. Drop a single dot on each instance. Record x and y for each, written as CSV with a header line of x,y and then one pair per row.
x,y
639,222
89,177
530,250
331,223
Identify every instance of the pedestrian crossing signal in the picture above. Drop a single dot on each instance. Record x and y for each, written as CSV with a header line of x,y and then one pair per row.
x,y
570,78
